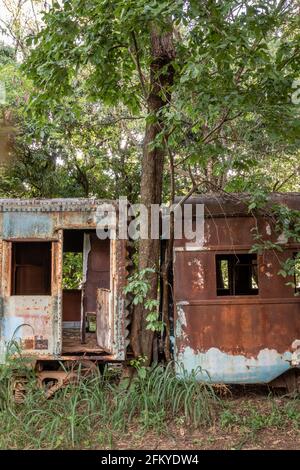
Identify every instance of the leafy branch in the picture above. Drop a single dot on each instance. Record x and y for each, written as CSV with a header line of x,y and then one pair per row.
x,y
139,286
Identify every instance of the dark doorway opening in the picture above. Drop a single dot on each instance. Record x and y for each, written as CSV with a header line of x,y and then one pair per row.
x,y
86,267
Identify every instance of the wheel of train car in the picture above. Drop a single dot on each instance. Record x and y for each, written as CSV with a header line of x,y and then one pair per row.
x,y
19,384
81,367
53,380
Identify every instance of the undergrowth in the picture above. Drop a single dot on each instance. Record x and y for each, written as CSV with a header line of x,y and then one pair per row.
x,y
100,409
106,408
249,423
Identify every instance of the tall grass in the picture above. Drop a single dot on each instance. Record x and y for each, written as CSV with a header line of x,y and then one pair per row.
x,y
92,413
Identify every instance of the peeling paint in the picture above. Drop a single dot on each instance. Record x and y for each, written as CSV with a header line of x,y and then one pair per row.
x,y
244,338
268,229
193,247
181,322
35,322
199,273
216,366
282,239
26,225
27,317
296,353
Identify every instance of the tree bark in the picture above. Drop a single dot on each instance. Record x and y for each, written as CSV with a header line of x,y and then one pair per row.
x,y
161,80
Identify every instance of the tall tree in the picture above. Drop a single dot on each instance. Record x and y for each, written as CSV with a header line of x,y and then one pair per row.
x,y
124,52
213,78
162,53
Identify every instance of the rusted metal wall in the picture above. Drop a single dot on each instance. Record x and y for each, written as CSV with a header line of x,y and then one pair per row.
x,y
71,305
36,321
234,339
31,320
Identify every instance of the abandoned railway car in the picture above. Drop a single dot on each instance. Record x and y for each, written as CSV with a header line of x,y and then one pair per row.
x,y
236,319
49,318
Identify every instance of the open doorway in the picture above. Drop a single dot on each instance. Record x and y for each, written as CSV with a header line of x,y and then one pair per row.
x,y
86,271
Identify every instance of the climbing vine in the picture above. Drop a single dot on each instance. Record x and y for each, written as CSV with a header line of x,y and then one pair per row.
x,y
139,285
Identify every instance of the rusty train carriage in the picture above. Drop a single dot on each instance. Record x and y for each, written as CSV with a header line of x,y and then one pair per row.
x,y
236,320
48,321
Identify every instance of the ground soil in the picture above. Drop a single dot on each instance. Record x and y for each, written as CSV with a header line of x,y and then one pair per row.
x,y
266,429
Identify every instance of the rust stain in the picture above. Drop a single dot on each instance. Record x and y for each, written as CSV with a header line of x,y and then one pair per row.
x,y
237,325
39,220
243,329
27,343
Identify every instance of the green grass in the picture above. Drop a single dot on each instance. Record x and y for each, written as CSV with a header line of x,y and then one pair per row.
x,y
98,410
103,411
275,414
252,419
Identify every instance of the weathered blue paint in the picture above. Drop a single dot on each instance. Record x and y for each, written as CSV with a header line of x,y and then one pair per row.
x,y
36,321
216,366
27,317
11,333
26,224
12,328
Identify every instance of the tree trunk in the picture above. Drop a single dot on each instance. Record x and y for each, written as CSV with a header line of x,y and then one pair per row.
x,y
161,79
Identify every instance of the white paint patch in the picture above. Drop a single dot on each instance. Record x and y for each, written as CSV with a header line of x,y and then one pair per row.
x,y
268,229
296,353
282,239
216,366
198,273
194,248
296,344
296,358
180,323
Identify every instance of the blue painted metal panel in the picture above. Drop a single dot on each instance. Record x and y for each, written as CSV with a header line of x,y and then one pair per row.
x,y
26,224
27,319
215,366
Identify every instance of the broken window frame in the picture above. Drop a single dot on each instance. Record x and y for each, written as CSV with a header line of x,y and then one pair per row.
x,y
233,265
